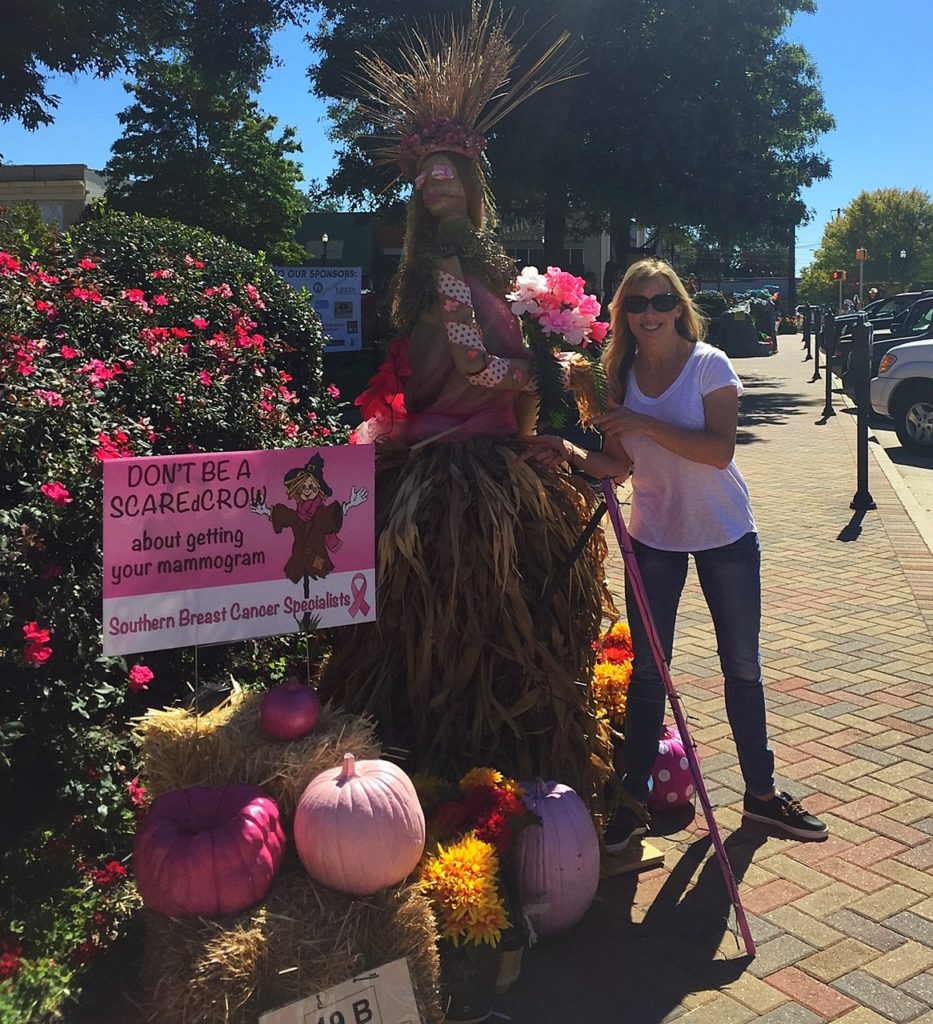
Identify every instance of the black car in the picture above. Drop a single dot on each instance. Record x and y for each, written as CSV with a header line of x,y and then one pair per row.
x,y
881,315
917,326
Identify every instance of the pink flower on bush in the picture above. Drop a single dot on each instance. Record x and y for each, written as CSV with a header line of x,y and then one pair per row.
x,y
37,648
85,295
68,352
136,792
99,373
160,300
51,398
205,378
111,872
333,390
9,264
11,949
140,676
163,273
87,264
55,491
290,430
41,306
116,447
199,322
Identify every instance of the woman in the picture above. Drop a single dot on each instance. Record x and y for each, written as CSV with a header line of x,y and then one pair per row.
x,y
673,425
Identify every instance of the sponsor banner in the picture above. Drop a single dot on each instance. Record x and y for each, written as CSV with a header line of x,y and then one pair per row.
x,y
223,546
335,295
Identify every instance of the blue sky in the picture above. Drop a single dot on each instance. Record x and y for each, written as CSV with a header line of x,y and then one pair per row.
x,y
873,58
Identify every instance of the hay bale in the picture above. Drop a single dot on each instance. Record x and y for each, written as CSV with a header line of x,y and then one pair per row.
x,y
225,745
303,939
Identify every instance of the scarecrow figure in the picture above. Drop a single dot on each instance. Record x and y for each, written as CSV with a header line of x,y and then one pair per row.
x,y
482,650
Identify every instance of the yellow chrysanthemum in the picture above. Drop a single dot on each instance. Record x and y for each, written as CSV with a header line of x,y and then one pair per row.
x,y
610,686
620,633
480,777
461,880
512,786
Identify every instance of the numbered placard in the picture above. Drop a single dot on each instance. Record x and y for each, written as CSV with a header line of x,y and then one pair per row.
x,y
381,996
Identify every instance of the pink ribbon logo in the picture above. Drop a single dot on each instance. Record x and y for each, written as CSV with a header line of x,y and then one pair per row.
x,y
358,590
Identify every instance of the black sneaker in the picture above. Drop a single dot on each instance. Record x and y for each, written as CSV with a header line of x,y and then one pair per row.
x,y
623,825
784,812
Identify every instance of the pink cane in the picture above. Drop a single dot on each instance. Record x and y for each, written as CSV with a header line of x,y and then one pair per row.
x,y
641,599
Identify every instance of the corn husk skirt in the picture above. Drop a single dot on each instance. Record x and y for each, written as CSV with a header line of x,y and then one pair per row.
x,y
482,651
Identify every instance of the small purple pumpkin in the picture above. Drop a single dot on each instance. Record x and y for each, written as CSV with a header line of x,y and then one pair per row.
x,y
208,852
673,784
558,862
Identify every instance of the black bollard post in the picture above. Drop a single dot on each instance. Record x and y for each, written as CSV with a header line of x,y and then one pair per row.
x,y
807,329
829,349
817,344
861,371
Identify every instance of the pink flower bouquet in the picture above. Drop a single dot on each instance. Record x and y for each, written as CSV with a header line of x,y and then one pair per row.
x,y
560,324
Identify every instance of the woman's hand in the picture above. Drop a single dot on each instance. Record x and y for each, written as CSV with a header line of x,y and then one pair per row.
x,y
621,423
547,450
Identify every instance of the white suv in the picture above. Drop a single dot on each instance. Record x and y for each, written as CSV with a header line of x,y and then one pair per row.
x,y
903,390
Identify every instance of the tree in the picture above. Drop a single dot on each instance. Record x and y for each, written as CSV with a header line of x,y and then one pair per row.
x,y
104,36
687,115
201,152
886,222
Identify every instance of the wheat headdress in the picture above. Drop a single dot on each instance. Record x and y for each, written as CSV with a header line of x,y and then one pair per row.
x,y
450,86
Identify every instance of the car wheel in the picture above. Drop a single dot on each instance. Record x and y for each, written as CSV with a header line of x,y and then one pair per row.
x,y
912,413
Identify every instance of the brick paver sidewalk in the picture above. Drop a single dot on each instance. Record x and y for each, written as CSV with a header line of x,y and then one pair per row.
x,y
844,927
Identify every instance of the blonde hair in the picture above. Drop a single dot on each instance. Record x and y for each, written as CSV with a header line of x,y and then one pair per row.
x,y
619,354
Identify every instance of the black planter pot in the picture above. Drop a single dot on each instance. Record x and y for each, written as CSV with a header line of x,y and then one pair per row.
x,y
468,980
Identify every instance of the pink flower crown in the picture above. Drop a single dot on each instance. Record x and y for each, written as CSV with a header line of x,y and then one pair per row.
x,y
440,134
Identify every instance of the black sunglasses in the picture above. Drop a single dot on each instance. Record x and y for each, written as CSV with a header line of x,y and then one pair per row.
x,y
663,303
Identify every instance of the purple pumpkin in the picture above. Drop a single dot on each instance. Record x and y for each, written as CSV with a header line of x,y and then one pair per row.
x,y
673,784
208,852
558,862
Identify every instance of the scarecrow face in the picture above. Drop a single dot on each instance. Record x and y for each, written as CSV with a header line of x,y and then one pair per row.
x,y
443,190
308,489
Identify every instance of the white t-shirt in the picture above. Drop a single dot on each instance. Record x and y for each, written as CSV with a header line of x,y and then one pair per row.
x,y
679,505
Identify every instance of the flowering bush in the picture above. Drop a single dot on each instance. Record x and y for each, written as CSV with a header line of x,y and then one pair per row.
x,y
559,318
127,337
479,822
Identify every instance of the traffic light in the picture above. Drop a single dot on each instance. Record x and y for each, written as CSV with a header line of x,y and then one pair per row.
x,y
839,275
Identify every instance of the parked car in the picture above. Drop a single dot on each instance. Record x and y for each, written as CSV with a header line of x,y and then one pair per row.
x,y
917,327
903,391
881,315
899,321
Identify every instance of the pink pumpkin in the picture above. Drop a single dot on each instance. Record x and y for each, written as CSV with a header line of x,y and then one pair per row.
x,y
208,852
359,828
673,784
558,863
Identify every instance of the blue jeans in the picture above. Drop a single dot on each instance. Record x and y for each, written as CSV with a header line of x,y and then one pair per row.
x,y
730,578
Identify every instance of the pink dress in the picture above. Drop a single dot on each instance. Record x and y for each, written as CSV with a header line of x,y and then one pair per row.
x,y
419,393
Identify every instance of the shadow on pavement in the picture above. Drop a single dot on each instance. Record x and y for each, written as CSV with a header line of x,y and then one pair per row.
x,y
612,969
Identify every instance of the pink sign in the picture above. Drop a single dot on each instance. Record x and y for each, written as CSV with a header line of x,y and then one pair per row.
x,y
206,548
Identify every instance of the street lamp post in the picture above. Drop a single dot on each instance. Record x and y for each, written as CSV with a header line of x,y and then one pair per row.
x,y
861,254
903,269
324,241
